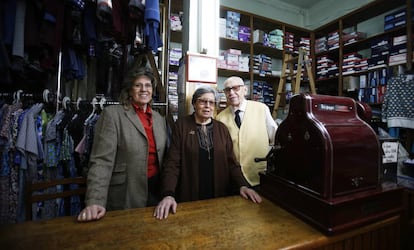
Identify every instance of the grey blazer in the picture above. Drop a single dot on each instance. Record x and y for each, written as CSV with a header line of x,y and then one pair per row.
x,y
117,175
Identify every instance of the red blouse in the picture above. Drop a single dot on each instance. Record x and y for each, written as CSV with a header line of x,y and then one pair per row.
x,y
146,120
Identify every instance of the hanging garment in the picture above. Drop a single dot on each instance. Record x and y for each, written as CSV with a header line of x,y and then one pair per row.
x,y
152,24
398,105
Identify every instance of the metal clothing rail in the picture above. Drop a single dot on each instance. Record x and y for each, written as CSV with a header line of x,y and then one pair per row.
x,y
46,96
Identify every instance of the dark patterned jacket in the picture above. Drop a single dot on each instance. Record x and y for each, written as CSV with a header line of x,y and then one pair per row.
x,y
181,173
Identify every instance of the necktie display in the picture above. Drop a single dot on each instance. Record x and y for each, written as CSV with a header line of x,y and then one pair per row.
x,y
237,118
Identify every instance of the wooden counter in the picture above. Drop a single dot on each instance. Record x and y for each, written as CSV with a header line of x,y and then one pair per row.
x,y
224,223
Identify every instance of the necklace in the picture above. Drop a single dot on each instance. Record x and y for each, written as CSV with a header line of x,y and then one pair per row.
x,y
204,137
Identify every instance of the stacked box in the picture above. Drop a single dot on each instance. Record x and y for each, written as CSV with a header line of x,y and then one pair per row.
x,y
361,65
305,44
262,65
325,67
379,53
395,20
233,59
321,44
221,62
289,41
259,36
353,37
373,85
231,56
233,16
244,63
362,81
398,50
232,24
378,77
263,92
257,91
232,30
276,39
333,70
349,63
175,21
172,92
244,33
333,40
222,27
175,56
268,96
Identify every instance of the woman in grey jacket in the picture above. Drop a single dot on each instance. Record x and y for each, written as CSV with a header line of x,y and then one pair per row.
x,y
127,153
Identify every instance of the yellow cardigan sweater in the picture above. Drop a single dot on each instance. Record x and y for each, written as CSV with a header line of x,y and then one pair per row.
x,y
251,140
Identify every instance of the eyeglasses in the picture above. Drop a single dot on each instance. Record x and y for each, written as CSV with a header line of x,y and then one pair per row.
x,y
205,102
234,88
145,85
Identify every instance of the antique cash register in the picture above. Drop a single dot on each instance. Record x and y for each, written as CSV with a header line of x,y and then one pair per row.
x,y
325,165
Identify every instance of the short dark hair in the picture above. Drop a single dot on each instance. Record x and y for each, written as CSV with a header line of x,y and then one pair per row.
x,y
201,91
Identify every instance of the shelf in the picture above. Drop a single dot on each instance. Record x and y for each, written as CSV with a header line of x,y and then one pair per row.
x,y
269,51
333,52
228,73
244,17
332,85
266,78
173,68
371,10
176,6
227,43
365,43
368,14
266,25
327,79
176,36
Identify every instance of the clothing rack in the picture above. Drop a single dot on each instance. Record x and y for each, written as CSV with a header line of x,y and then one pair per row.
x,y
46,96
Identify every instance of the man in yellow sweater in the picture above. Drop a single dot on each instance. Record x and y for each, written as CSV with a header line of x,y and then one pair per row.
x,y
251,127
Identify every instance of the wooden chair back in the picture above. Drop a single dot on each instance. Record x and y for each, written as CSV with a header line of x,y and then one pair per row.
x,y
66,192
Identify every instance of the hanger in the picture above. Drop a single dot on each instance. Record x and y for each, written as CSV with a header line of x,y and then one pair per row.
x,y
78,101
102,102
66,103
16,96
93,113
46,96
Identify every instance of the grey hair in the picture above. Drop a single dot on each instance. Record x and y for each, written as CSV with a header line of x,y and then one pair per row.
x,y
235,79
201,91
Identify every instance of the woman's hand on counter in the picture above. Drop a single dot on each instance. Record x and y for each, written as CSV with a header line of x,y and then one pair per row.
x,y
163,209
92,212
249,193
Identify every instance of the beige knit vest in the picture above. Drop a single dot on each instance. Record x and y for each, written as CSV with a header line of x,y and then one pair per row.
x,y
251,140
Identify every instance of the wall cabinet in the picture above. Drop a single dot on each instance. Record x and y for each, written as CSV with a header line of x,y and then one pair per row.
x,y
346,52
357,53
260,43
174,48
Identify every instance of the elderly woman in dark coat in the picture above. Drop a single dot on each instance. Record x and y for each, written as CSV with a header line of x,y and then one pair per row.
x,y
200,162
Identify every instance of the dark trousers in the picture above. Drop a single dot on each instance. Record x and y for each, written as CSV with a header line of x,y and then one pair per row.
x,y
153,191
